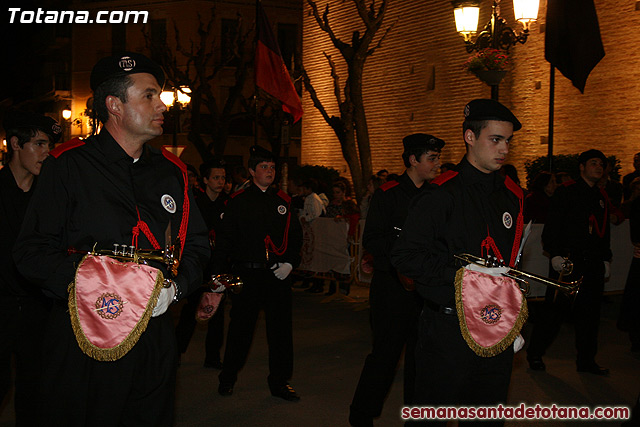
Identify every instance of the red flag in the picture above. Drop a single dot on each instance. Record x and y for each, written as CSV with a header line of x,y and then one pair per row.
x,y
271,73
572,41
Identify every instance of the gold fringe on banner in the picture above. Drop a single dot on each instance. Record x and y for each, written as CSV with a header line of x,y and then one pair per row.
x,y
113,353
501,345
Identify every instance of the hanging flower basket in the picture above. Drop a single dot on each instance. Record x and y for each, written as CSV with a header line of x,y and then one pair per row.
x,y
489,65
490,77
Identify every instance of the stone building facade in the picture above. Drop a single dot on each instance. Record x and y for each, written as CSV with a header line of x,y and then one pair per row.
x,y
415,83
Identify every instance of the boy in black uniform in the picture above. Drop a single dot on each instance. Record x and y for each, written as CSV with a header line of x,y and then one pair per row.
x,y
260,239
111,189
211,203
473,210
577,228
23,307
394,309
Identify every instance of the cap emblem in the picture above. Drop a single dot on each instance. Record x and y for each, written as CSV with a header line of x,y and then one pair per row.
x,y
467,110
127,63
56,129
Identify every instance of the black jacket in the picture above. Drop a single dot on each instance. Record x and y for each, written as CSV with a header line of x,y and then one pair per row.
x,y
578,223
387,212
251,217
455,216
94,194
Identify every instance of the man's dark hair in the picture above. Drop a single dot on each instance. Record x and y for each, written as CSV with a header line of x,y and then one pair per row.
x,y
476,127
24,135
256,160
116,86
416,151
205,168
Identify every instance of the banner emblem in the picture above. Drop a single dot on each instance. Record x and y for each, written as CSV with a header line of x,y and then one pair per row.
x,y
109,305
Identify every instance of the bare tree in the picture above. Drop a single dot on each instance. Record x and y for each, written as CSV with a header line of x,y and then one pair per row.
x,y
201,69
351,125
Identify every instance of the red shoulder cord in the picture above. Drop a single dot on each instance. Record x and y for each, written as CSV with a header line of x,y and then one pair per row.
x,y
489,243
592,218
268,243
182,233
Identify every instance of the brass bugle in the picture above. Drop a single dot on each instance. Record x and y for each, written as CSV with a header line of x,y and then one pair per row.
x,y
169,256
523,277
229,281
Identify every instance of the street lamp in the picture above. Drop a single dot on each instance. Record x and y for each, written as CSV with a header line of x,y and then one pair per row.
x,y
496,33
176,100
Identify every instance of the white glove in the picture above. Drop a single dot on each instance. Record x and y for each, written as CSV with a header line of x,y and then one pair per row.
x,y
282,269
164,301
216,286
607,270
518,344
494,271
557,263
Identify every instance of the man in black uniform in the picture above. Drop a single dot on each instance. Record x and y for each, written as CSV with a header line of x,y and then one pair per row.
x,y
577,228
260,238
211,203
473,210
111,189
23,307
394,309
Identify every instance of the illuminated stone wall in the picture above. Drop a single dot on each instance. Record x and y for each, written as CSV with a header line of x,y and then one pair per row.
x,y
415,83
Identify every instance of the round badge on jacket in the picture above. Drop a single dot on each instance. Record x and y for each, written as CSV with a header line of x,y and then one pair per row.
x,y
168,203
507,220
282,209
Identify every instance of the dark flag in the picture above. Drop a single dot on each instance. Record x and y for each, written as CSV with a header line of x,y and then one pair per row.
x,y
271,73
572,42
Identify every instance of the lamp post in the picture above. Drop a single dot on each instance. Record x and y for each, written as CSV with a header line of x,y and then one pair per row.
x,y
176,100
496,34
66,115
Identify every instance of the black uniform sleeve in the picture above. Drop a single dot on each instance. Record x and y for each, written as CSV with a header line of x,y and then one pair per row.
x,y
421,252
377,238
554,235
196,252
292,254
41,252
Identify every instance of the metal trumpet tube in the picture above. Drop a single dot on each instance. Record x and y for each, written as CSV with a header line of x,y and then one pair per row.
x,y
227,281
523,277
169,256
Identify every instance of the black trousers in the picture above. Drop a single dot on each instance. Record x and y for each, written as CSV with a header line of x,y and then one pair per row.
x,y
23,321
449,373
187,324
394,324
262,290
135,390
585,310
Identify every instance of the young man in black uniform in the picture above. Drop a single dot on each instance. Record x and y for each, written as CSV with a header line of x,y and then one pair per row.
x,y
394,309
23,307
111,189
577,228
259,241
211,203
467,211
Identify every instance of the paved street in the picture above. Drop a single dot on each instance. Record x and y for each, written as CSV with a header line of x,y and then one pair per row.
x,y
331,341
